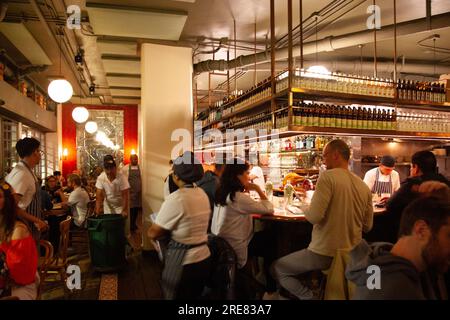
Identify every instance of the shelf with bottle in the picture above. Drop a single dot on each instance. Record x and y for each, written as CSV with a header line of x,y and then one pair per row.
x,y
336,116
304,81
420,92
363,88
219,116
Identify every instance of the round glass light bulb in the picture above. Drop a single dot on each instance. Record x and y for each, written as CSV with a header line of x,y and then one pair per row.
x,y
60,90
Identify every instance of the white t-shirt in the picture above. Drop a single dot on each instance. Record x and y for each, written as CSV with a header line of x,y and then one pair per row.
x,y
234,222
370,176
185,213
113,192
23,183
78,201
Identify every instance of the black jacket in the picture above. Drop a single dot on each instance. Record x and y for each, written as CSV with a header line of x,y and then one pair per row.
x,y
404,196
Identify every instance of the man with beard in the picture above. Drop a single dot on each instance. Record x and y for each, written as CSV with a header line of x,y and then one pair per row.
x,y
409,269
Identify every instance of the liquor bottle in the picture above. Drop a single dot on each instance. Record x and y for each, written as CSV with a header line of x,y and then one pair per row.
x,y
379,120
394,120
321,112
400,89
315,116
332,116
338,116
370,119
443,94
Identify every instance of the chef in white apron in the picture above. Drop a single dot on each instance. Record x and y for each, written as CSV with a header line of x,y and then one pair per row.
x,y
384,179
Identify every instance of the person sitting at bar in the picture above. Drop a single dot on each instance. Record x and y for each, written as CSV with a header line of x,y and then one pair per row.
x,y
77,200
408,267
384,179
423,168
341,209
52,188
184,216
18,252
232,218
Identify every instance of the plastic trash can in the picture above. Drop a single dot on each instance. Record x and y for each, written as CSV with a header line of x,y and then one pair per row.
x,y
107,242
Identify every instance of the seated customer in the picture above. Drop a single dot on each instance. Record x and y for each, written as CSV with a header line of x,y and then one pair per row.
x,y
423,168
232,218
423,249
46,199
341,210
18,248
77,201
52,188
184,217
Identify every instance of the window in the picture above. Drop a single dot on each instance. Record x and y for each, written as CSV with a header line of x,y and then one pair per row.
x,y
8,140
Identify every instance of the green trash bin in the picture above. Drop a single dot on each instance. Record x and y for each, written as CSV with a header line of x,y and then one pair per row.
x,y
107,242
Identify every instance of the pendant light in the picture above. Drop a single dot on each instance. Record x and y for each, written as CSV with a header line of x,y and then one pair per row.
x,y
60,90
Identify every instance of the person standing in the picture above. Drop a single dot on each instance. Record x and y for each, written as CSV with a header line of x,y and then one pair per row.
x,y
113,192
132,173
384,179
26,185
340,211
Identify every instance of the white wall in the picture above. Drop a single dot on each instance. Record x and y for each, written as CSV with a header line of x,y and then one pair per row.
x,y
166,75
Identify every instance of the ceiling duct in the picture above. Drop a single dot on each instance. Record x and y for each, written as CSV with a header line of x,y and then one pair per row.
x,y
329,43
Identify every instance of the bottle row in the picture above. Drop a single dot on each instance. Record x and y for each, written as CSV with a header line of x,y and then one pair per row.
x,y
332,116
341,83
421,91
435,122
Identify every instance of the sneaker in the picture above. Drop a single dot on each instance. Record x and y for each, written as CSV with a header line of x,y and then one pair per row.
x,y
271,296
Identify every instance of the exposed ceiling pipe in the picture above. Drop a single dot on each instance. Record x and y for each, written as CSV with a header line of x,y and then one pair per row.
x,y
47,29
330,43
3,9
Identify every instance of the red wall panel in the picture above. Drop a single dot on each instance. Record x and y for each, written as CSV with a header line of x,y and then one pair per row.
x,y
130,133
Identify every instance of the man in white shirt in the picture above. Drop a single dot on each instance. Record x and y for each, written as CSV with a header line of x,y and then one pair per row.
x,y
341,209
383,179
26,186
78,200
112,190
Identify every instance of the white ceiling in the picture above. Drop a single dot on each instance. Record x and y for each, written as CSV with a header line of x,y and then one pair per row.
x,y
111,39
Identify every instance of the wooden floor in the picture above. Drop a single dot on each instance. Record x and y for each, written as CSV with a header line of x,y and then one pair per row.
x,y
140,280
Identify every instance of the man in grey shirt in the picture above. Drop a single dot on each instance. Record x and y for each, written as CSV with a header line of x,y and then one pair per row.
x,y
341,209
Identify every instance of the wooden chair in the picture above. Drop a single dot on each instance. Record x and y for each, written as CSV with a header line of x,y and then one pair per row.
x,y
44,262
58,263
79,238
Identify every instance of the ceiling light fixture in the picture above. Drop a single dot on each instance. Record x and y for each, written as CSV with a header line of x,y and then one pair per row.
x,y
60,90
80,114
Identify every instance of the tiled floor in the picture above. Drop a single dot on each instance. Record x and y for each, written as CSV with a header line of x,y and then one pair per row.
x,y
139,280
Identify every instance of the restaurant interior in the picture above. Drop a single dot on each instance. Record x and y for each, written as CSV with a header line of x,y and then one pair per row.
x,y
270,81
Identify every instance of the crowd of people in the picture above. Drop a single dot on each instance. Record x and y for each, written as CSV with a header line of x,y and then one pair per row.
x,y
30,211
222,201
